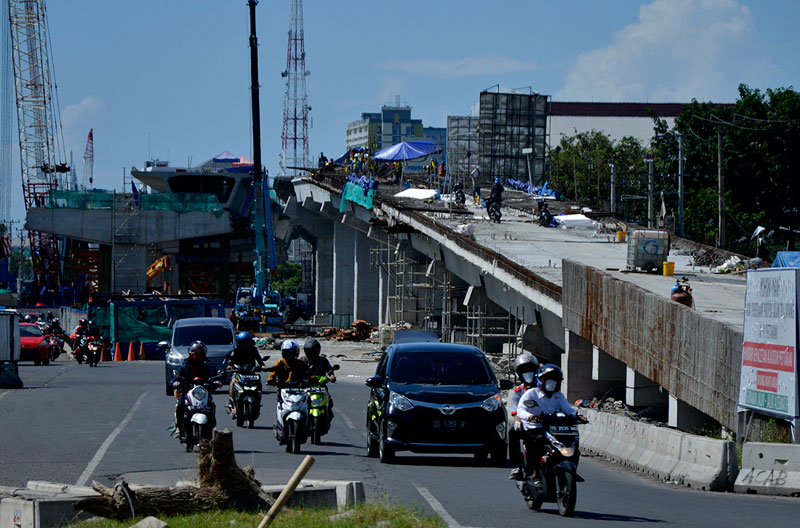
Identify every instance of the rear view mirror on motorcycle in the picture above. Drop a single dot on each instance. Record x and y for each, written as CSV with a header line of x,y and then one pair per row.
x,y
335,367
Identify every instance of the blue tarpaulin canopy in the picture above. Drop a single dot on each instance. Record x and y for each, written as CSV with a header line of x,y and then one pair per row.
x,y
226,157
787,259
407,150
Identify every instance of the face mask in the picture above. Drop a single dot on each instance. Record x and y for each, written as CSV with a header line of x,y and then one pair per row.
x,y
550,385
527,377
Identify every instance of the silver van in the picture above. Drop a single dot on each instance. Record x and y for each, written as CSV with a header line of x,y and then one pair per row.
x,y
218,335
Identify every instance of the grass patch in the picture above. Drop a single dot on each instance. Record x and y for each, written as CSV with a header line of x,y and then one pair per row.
x,y
364,515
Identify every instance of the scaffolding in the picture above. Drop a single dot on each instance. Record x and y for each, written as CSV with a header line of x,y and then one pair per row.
x,y
509,123
462,146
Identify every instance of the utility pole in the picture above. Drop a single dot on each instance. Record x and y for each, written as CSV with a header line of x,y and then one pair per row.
x,y
650,187
680,184
613,168
721,180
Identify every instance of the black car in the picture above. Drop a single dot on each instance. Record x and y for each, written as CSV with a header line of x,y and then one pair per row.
x,y
436,398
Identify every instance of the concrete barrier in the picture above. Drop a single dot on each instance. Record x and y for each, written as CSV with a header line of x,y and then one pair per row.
x,y
695,461
770,469
43,505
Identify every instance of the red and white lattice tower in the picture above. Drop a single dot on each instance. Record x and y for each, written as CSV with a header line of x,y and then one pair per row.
x,y
38,125
294,138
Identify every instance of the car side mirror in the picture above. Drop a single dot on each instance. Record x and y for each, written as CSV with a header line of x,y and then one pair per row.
x,y
163,344
506,384
335,367
375,382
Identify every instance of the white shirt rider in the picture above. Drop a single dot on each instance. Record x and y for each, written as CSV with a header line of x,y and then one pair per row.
x,y
544,404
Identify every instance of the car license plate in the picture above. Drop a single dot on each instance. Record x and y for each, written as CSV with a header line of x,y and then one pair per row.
x,y
449,425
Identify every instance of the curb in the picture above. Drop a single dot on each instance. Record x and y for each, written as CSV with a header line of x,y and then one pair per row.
x,y
769,469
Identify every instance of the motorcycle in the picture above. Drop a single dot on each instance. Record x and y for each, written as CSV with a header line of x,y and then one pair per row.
x,y
291,425
558,470
493,210
320,413
56,345
199,411
246,395
458,190
87,349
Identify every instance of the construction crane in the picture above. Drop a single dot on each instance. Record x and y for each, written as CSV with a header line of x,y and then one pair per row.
x,y
38,126
257,307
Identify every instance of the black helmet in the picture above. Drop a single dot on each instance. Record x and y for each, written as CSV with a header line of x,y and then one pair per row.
x,y
550,372
197,352
245,339
83,322
27,318
312,349
290,349
526,364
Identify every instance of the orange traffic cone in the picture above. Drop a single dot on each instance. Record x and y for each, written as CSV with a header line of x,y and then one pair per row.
x,y
117,353
104,353
141,350
131,354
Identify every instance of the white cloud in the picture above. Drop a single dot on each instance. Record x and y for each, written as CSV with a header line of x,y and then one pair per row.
x,y
493,64
74,113
678,50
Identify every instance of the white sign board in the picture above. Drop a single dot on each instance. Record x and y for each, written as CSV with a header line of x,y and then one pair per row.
x,y
769,381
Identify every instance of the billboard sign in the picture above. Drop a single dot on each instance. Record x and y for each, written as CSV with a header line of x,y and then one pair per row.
x,y
769,381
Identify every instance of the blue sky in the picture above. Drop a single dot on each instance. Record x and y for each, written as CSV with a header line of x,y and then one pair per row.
x,y
170,79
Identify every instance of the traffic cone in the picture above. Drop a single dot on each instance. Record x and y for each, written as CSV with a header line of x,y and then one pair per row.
x,y
104,353
117,353
141,350
131,354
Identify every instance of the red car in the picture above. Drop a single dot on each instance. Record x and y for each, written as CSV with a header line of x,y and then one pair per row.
x,y
34,345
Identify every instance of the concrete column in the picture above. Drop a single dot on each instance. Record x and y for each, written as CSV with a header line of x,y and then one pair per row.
x,y
343,269
323,271
687,418
366,285
577,363
641,391
606,367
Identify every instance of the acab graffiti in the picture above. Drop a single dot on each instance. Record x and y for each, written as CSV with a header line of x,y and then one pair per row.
x,y
765,477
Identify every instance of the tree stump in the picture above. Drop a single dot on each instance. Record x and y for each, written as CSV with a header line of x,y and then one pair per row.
x,y
223,484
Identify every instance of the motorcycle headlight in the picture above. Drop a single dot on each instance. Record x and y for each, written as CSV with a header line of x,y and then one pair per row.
x,y
400,402
492,403
567,452
174,359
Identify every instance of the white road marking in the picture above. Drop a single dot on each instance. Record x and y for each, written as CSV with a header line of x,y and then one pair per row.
x,y
104,447
3,393
438,508
347,421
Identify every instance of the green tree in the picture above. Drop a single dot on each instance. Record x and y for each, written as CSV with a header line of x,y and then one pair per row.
x,y
289,278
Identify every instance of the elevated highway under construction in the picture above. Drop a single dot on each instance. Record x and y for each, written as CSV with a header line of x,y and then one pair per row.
x,y
562,294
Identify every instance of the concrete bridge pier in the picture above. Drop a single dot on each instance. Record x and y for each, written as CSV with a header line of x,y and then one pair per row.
x,y
323,270
577,364
343,271
366,286
641,391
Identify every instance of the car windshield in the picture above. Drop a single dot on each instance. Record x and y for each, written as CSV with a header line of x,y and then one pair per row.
x,y
29,331
210,335
440,368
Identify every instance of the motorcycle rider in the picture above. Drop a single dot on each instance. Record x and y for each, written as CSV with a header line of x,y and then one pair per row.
x,y
318,365
290,367
195,369
496,195
547,398
526,366
81,330
245,353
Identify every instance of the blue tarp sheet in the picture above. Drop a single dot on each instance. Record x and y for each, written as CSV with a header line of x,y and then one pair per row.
x,y
407,150
787,259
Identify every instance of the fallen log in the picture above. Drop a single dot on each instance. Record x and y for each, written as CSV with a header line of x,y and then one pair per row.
x,y
223,485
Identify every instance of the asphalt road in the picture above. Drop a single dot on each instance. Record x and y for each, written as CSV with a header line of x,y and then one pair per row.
x,y
74,424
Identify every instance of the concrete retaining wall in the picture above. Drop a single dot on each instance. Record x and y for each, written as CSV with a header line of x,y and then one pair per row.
x,y
770,469
694,461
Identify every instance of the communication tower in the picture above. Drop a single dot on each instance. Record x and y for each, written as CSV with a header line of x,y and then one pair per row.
x,y
294,139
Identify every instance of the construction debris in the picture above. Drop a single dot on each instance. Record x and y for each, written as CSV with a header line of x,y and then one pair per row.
x,y
708,257
360,330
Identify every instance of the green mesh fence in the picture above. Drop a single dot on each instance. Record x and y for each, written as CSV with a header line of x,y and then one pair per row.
x,y
80,200
178,202
134,324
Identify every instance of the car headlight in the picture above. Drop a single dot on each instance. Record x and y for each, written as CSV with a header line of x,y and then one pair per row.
x,y
400,402
174,359
492,403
